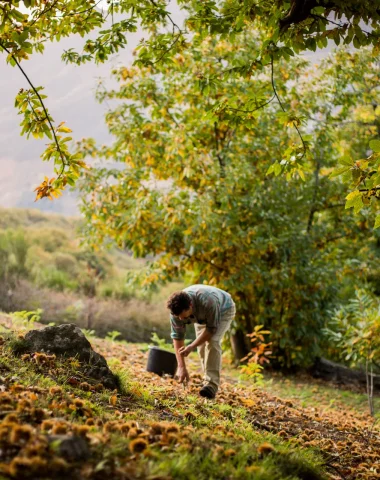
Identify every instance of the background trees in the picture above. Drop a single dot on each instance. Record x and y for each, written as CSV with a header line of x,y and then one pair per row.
x,y
191,189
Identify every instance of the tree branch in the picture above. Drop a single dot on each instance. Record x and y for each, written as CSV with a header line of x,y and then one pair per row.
x,y
218,155
42,104
283,109
315,193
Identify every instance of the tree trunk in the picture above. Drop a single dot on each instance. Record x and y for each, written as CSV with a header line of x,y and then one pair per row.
x,y
336,373
239,346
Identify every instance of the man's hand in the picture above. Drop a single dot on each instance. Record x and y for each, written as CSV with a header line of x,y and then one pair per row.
x,y
183,375
185,351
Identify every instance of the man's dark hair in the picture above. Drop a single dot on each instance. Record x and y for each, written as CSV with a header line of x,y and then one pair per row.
x,y
178,302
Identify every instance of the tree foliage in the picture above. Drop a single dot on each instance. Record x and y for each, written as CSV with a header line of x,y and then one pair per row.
x,y
355,329
287,28
192,191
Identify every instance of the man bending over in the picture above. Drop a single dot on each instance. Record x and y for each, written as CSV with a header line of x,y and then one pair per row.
x,y
212,311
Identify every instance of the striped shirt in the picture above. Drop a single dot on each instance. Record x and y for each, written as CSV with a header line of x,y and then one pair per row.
x,y
208,303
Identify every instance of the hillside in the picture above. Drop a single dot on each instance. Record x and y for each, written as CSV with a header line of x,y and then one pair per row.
x,y
44,266
155,429
33,218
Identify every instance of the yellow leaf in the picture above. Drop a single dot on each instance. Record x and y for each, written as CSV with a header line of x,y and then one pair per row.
x,y
64,129
353,194
247,402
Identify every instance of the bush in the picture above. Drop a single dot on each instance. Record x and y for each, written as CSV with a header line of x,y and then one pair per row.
x,y
67,263
353,331
50,239
115,288
13,253
50,277
73,313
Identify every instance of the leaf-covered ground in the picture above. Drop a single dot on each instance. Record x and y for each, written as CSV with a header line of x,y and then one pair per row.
x,y
156,429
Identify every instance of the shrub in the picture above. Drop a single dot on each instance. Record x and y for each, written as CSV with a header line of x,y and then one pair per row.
x,y
50,239
115,288
13,253
354,330
50,277
66,263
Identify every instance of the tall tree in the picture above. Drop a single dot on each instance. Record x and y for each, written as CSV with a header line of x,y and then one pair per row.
x,y
191,190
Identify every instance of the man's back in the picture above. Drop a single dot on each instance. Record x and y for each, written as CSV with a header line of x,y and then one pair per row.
x,y
203,294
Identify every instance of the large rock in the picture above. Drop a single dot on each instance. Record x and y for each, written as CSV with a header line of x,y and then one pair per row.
x,y
68,340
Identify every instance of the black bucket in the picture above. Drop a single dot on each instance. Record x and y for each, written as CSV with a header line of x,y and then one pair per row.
x,y
161,361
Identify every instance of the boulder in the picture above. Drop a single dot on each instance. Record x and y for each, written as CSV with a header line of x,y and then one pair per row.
x,y
69,341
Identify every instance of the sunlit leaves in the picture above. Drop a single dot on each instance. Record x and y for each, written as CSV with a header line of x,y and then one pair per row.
x,y
46,189
364,176
283,31
37,122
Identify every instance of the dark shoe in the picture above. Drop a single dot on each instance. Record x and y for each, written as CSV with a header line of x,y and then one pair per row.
x,y
207,392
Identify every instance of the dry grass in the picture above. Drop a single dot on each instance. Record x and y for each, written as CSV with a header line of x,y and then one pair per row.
x,y
135,319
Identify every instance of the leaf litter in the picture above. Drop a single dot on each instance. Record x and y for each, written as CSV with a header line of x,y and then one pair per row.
x,y
152,426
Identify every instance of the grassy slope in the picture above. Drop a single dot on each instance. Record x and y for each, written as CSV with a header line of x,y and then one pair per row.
x,y
35,220
320,395
155,429
26,218
56,271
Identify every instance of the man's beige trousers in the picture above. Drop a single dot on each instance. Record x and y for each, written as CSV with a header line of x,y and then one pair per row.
x,y
210,352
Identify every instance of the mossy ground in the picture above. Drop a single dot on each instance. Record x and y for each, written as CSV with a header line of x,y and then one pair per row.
x,y
155,429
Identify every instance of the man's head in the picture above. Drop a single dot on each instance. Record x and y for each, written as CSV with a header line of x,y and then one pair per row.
x,y
179,304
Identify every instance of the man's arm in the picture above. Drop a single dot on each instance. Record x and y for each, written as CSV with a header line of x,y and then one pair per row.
x,y
204,337
178,330
182,372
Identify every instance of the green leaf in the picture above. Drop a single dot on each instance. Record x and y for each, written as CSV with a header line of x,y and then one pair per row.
x,y
354,200
318,10
353,194
339,171
356,42
301,174
346,160
64,129
377,222
374,180
374,145
277,169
